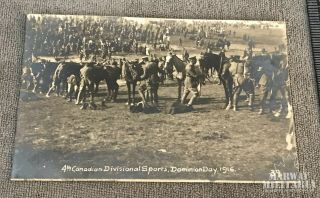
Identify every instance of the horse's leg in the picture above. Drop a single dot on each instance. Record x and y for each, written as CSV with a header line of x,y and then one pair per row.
x,y
36,86
115,92
129,92
81,93
109,91
156,97
97,87
134,84
91,90
58,88
225,92
179,89
50,89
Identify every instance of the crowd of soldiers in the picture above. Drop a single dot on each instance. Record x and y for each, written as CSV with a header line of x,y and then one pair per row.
x,y
88,36
64,36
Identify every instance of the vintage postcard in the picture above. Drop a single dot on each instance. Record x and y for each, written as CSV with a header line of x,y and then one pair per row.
x,y
154,99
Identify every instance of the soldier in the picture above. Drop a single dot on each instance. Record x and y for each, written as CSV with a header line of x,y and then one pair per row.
x,y
149,81
143,83
242,81
191,82
73,86
265,83
56,80
279,85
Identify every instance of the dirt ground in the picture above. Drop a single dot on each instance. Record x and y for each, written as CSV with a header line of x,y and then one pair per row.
x,y
53,134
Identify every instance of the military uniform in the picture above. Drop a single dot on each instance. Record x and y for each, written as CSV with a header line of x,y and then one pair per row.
x,y
56,80
150,81
265,84
191,82
73,83
242,81
279,85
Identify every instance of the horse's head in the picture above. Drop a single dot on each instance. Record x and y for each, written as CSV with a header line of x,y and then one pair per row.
x,y
168,65
133,70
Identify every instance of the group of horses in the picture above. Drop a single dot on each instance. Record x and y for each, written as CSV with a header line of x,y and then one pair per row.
x,y
231,73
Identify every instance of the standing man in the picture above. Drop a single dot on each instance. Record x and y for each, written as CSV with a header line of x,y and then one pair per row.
x,y
149,81
191,82
279,86
265,84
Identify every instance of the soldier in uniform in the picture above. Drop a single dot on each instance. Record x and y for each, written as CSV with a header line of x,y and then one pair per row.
x,y
149,81
279,85
56,80
191,82
73,86
265,84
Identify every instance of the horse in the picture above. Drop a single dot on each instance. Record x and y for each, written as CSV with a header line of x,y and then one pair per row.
x,y
42,74
113,74
92,74
132,73
62,72
216,61
172,61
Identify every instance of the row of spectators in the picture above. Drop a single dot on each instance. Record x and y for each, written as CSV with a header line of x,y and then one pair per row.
x,y
66,35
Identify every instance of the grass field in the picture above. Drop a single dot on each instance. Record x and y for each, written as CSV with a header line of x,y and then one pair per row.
x,y
243,145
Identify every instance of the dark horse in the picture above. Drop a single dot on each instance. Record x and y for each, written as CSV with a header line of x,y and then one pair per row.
x,y
62,72
216,61
172,61
132,72
92,74
110,74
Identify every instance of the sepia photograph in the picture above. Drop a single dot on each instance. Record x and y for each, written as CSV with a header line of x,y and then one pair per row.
x,y
154,99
